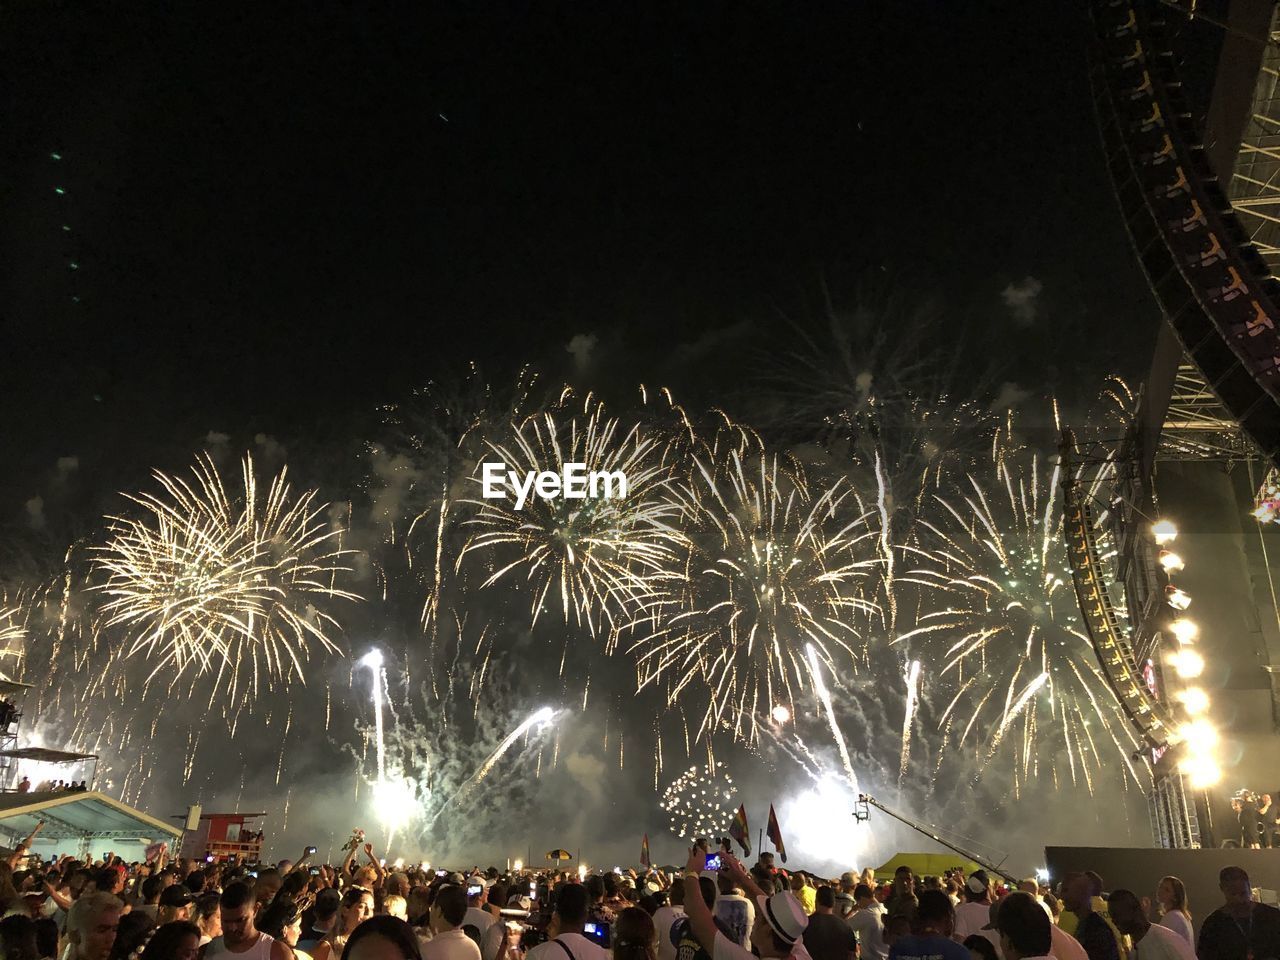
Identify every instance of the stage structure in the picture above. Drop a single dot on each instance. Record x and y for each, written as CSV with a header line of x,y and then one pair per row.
x,y
1189,111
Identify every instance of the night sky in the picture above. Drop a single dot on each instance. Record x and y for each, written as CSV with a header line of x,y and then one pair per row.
x,y
285,215
257,224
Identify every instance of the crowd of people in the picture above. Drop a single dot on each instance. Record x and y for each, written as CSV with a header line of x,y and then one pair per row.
x,y
52,786
107,909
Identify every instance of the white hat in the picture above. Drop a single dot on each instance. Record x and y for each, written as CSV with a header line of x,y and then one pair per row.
x,y
784,915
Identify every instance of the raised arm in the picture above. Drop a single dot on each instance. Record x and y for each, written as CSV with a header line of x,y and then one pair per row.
x,y
21,849
740,876
695,908
373,862
301,861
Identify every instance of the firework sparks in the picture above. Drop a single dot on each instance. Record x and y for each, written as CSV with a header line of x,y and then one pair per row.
x,y
999,611
603,556
825,697
769,567
699,801
205,583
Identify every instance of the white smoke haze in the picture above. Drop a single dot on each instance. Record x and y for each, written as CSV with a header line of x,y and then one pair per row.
x,y
1021,298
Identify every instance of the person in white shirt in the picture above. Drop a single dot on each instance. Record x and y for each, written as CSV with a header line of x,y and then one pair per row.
x,y
477,915
1025,932
974,915
1174,911
1149,941
867,922
734,910
449,941
665,918
565,929
780,920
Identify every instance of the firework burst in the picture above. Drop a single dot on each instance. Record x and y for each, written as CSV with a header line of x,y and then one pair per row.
x,y
203,583
600,560
999,619
699,801
770,566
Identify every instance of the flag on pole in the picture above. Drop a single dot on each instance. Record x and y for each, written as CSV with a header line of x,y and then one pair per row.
x,y
644,852
775,834
739,830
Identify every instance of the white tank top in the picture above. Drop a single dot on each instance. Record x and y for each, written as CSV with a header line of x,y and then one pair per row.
x,y
261,949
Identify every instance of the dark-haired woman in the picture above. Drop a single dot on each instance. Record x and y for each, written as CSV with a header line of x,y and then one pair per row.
x,y
382,938
282,920
356,907
176,940
634,936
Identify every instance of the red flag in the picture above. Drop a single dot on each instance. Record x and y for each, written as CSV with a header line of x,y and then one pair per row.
x,y
739,830
775,834
644,852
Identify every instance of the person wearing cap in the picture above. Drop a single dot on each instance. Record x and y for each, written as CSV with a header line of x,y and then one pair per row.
x,y
1025,932
175,904
973,914
780,919
477,895
932,932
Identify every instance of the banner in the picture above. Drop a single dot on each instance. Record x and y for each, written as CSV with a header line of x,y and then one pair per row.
x,y
739,831
775,835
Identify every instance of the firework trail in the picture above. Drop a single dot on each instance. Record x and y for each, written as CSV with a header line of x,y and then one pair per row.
x,y
769,566
825,697
543,716
373,660
1000,616
912,677
204,583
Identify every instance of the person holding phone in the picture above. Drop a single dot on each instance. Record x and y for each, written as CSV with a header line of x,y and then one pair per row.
x,y
566,932
779,925
477,898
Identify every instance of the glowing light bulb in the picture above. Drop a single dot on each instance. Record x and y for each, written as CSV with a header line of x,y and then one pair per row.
x,y
1177,598
781,713
1164,531
1171,562
1185,630
1202,772
1194,700
1188,664
1199,736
